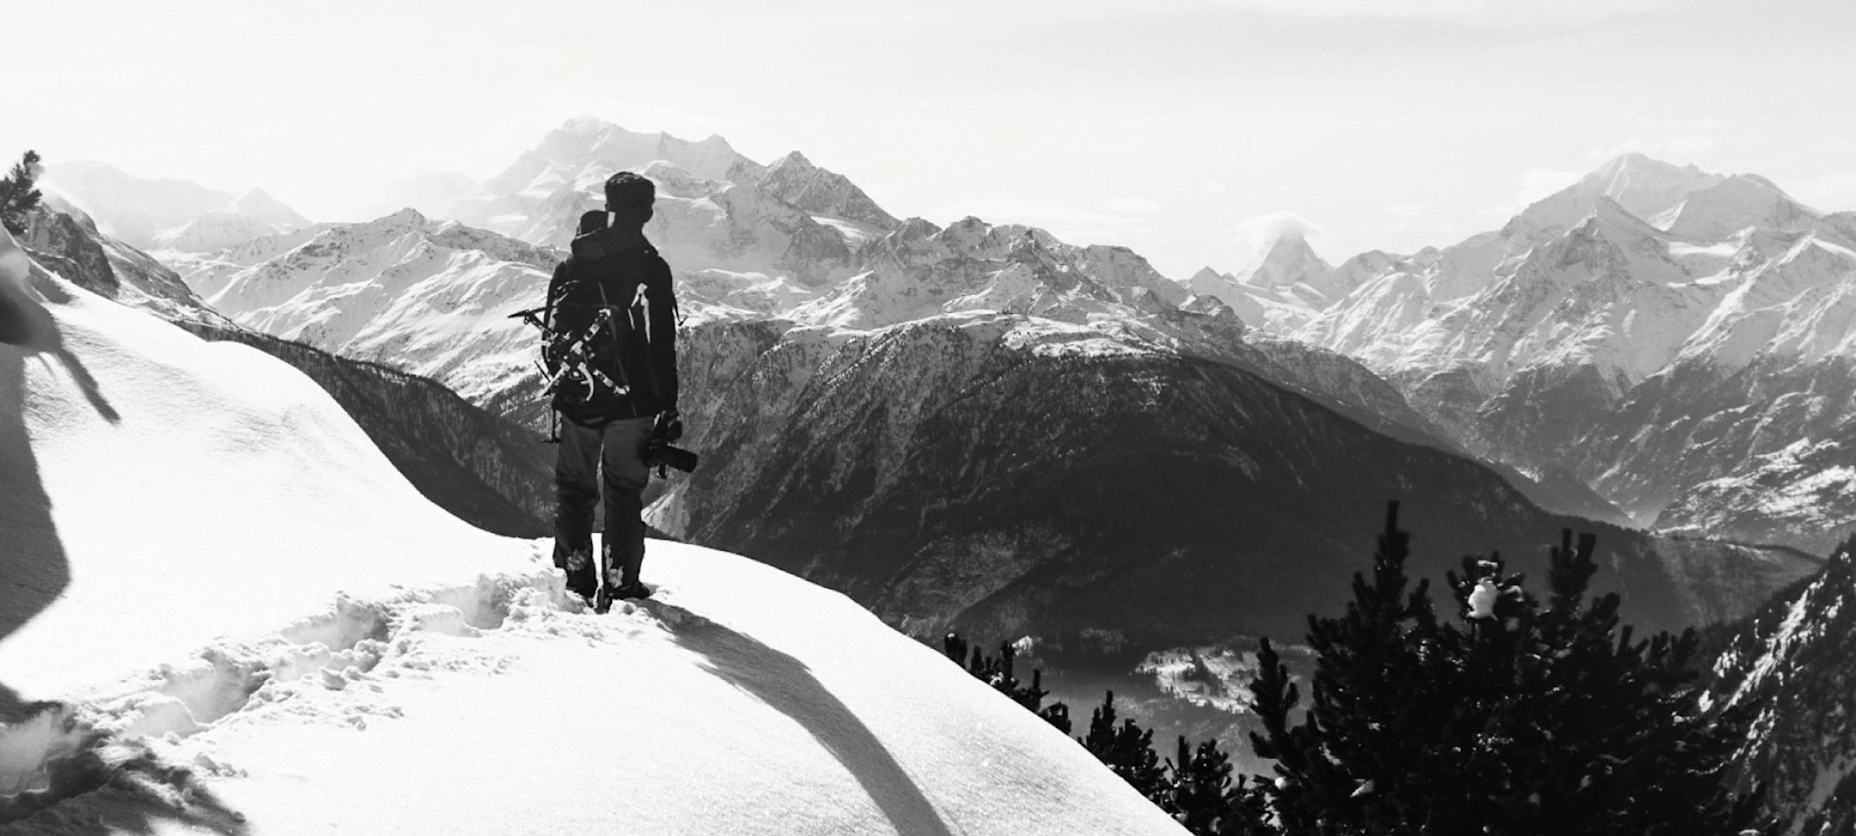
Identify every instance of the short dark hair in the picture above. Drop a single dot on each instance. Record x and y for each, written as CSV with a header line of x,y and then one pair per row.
x,y
628,191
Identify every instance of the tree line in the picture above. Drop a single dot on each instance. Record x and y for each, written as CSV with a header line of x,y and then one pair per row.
x,y
1513,714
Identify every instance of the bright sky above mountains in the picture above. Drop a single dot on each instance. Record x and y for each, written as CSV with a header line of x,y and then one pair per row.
x,y
1185,129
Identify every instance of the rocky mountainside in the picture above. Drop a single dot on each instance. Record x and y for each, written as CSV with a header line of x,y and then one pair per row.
x,y
1795,662
481,468
167,214
922,270
1659,332
66,241
1008,474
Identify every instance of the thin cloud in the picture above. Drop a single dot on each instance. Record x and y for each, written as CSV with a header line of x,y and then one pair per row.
x,y
1259,231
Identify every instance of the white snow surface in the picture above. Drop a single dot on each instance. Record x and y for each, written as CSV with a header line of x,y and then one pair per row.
x,y
255,594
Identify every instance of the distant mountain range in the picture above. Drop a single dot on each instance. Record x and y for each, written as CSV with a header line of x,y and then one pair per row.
x,y
167,214
1676,339
809,306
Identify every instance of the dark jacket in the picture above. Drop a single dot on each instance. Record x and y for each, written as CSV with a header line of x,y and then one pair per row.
x,y
606,269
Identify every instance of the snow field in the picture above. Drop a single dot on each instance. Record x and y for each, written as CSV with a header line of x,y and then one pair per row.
x,y
505,705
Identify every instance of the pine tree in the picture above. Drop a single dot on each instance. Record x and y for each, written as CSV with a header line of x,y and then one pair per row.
x,y
1368,691
1128,750
1517,718
17,194
1204,798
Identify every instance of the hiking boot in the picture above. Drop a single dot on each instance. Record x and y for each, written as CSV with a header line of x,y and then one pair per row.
x,y
629,591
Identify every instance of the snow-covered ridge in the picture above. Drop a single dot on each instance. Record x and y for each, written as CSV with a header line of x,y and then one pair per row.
x,y
248,614
431,297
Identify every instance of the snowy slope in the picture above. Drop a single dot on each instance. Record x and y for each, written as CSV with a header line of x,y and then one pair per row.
x,y
256,626
152,474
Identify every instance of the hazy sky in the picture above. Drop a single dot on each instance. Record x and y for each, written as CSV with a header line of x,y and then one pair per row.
x,y
1181,128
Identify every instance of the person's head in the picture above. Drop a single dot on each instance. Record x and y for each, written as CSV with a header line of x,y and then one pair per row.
x,y
629,196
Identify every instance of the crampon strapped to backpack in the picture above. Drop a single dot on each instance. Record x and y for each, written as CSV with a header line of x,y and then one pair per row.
x,y
575,361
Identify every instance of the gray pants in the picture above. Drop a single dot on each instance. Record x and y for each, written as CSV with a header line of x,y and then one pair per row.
x,y
591,458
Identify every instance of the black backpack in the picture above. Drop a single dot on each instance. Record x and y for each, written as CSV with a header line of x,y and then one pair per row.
x,y
596,339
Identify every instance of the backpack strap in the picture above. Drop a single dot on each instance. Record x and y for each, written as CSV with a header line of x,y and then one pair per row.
x,y
641,299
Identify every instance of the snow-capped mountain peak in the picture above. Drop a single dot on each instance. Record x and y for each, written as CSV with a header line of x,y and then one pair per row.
x,y
796,180
1643,186
1286,261
582,144
794,159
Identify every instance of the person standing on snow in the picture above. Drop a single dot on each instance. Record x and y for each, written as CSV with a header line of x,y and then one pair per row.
x,y
612,311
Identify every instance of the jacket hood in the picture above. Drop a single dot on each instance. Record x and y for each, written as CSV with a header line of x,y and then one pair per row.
x,y
606,243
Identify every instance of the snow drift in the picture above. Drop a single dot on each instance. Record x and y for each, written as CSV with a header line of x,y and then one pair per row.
x,y
253,624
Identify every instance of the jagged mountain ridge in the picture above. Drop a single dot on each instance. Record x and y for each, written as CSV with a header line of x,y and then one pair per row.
x,y
63,239
431,297
1530,345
